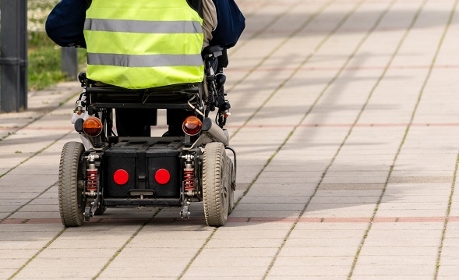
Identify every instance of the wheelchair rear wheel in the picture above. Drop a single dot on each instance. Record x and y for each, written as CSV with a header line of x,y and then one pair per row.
x,y
72,200
216,184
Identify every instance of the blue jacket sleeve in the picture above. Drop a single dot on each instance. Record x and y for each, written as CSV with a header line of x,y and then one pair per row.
x,y
65,23
231,23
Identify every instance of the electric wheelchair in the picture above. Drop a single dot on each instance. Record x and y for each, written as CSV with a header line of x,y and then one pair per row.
x,y
108,170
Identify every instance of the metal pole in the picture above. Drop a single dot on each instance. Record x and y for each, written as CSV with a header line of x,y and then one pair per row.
x,y
13,57
69,62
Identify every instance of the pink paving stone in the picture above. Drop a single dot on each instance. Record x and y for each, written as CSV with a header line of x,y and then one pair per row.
x,y
421,219
44,221
13,221
310,220
384,219
347,220
267,219
453,219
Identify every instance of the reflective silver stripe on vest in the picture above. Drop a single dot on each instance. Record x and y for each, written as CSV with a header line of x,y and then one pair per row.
x,y
140,26
144,60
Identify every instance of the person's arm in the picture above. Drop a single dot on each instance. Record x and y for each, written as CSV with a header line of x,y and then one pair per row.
x,y
210,20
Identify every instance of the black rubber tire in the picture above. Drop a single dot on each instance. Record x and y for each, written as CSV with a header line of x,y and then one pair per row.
x,y
232,184
72,201
215,184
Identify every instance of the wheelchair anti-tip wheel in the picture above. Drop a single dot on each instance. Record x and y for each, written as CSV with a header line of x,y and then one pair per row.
x,y
72,200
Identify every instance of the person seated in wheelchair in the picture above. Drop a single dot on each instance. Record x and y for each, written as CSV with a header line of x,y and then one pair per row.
x,y
146,44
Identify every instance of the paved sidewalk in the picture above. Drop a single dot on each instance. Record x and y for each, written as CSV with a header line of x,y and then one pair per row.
x,y
345,120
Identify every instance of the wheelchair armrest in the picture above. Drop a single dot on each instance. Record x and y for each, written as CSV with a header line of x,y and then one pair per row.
x,y
212,51
84,80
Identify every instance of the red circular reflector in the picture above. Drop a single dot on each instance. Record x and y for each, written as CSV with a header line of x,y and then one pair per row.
x,y
162,176
121,177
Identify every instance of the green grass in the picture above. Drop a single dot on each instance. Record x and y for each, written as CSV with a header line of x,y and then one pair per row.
x,y
44,68
44,56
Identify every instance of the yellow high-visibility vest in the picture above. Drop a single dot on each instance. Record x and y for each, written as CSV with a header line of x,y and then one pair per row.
x,y
138,44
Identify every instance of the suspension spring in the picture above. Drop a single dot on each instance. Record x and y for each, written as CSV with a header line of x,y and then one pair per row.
x,y
189,180
91,176
91,185
188,176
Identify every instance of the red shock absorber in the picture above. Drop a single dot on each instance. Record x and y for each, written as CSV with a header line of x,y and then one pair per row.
x,y
189,180
188,174
91,177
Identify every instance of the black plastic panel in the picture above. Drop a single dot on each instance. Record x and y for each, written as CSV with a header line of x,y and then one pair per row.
x,y
141,160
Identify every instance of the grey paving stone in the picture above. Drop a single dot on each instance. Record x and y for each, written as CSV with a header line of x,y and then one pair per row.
x,y
217,271
35,215
448,271
7,272
245,243
394,270
336,271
